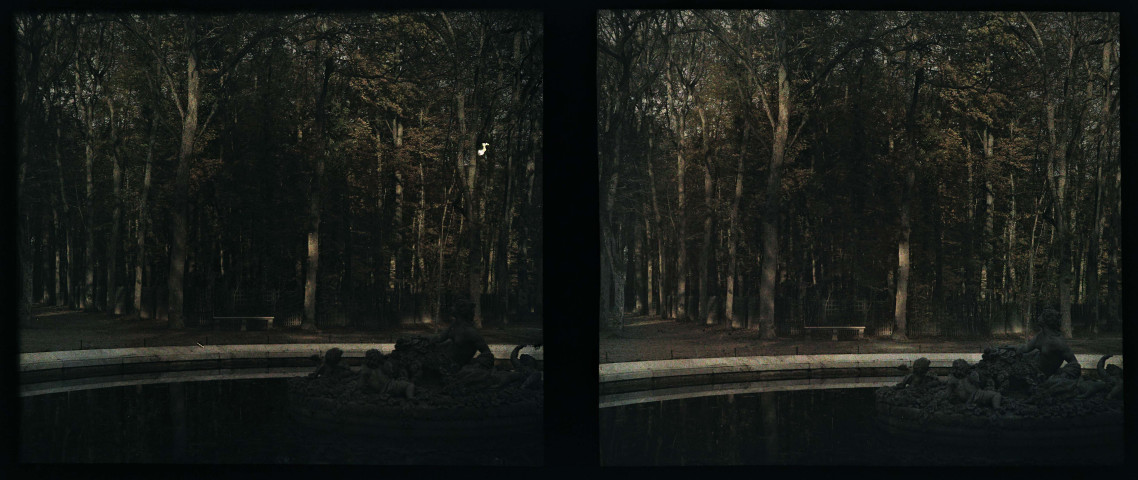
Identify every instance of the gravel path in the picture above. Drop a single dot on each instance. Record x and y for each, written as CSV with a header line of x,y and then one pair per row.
x,y
56,329
653,338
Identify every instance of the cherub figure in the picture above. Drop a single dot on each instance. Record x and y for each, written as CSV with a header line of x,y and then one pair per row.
x,y
1053,349
375,377
1065,383
330,366
920,376
477,373
964,385
464,339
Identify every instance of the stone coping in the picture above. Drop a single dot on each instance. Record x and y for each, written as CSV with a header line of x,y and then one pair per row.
x,y
31,362
91,383
739,388
656,369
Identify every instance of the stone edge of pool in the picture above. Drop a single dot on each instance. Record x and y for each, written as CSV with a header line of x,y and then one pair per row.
x,y
658,374
69,364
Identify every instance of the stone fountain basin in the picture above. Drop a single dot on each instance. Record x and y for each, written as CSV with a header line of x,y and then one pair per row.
x,y
661,374
54,372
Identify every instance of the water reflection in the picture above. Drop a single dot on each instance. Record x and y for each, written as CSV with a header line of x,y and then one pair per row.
x,y
809,427
237,421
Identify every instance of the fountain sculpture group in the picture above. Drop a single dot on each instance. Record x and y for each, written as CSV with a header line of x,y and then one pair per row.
x,y
427,386
1031,394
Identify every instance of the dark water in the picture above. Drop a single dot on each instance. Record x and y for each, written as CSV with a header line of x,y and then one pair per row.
x,y
804,427
231,421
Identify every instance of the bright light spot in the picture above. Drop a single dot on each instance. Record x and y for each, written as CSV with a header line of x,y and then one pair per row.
x,y
483,151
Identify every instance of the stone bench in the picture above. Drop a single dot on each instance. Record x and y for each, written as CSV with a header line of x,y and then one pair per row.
x,y
834,329
244,321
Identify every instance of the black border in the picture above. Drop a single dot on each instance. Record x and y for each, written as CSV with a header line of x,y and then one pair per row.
x,y
570,224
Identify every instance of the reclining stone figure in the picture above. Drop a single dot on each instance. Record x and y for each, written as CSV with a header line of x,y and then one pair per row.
x,y
375,377
1109,381
964,385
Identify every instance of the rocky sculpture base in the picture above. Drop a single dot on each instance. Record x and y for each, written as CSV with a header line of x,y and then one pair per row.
x,y
336,398
1030,413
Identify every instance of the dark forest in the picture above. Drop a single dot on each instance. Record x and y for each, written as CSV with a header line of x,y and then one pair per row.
x,y
365,170
918,173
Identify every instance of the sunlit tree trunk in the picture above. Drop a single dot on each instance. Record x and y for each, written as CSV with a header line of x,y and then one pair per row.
x,y
900,306
772,207
314,197
180,212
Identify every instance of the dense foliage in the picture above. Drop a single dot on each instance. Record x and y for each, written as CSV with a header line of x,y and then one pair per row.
x,y
913,172
322,166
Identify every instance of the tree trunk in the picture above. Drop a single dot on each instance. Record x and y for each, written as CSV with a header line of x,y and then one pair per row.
x,y
661,272
1103,155
89,225
638,268
68,297
1029,294
441,245
733,232
180,212
502,277
900,312
705,251
987,143
1010,293
467,164
681,241
23,237
143,217
1062,227
316,188
773,208
116,220
649,293
57,266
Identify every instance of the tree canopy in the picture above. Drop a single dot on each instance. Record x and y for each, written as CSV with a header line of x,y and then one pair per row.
x,y
918,173
322,166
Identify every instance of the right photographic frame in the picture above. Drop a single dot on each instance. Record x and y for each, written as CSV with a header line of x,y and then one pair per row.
x,y
859,238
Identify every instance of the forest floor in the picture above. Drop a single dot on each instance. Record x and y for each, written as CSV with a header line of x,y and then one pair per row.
x,y
654,338
57,328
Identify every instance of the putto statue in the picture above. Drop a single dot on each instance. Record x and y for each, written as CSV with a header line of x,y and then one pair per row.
x,y
1023,393
424,379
